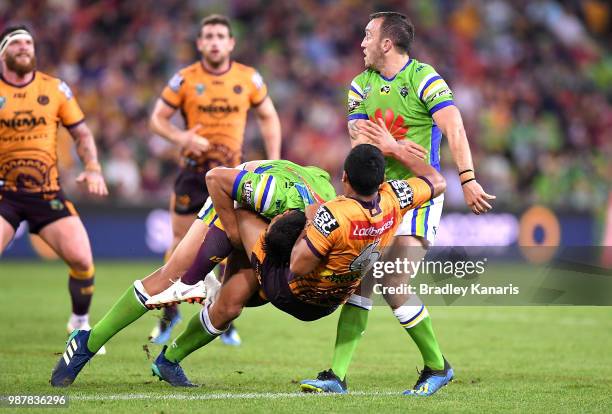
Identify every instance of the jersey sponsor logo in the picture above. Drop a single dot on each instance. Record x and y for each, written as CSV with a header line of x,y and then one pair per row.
x,y
2,101
403,192
200,88
20,95
324,221
65,89
23,121
219,108
237,89
419,68
247,192
43,100
366,91
56,205
175,82
352,105
385,90
394,124
404,91
363,230
440,94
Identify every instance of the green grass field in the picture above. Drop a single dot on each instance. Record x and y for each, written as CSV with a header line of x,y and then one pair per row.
x,y
506,359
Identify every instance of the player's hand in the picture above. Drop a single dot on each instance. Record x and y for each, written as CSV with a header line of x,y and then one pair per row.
x,y
476,198
94,180
377,134
190,141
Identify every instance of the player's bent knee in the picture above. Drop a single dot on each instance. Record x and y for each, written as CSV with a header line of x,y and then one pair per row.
x,y
82,272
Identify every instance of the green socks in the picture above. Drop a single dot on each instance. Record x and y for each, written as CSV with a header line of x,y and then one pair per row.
x,y
195,336
351,326
125,311
423,336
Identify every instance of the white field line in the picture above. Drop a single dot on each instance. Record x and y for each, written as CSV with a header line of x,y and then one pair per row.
x,y
221,396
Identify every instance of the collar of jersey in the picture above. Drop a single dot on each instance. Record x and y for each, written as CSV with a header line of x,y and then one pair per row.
x,y
216,74
17,86
400,71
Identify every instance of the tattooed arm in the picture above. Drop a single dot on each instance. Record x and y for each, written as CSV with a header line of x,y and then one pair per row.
x,y
86,149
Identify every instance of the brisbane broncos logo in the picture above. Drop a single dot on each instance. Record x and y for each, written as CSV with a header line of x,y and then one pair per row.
x,y
30,170
395,125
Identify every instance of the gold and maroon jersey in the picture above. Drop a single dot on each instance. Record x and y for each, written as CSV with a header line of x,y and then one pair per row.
x,y
29,120
350,236
219,103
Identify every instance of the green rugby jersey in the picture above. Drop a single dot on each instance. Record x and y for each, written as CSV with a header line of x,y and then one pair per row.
x,y
406,102
277,186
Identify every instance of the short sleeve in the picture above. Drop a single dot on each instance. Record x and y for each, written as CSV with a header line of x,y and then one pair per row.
x,y
431,89
259,90
69,111
355,105
411,193
256,191
172,95
322,233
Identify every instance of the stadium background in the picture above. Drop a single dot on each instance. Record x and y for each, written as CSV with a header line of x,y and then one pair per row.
x,y
533,80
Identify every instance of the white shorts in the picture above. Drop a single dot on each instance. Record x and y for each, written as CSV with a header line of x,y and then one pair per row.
x,y
423,221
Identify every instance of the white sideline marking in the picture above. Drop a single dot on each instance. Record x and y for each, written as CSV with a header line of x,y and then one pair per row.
x,y
222,396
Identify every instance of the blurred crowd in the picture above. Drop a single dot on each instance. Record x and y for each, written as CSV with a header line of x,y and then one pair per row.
x,y
533,80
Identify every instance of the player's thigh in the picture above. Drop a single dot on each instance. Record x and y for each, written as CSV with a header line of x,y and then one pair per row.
x,y
250,226
406,251
180,225
6,233
186,250
68,238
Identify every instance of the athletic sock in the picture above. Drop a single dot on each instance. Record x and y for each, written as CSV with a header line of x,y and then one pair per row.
x,y
199,332
416,321
351,326
214,249
126,310
81,292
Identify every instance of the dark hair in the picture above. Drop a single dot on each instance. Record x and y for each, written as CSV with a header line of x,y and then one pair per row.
x,y
397,27
216,19
14,27
282,235
365,169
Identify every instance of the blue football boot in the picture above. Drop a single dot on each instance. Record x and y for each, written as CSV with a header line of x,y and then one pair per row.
x,y
73,359
431,380
326,381
162,331
171,372
231,337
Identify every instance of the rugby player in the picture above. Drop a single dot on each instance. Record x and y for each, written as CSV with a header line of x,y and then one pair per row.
x,y
267,187
417,106
213,95
32,104
311,278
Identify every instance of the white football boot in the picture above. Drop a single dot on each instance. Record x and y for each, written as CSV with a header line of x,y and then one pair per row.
x,y
178,292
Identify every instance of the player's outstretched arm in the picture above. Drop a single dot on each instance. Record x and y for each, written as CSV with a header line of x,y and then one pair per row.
x,y
220,183
450,122
186,139
86,149
270,128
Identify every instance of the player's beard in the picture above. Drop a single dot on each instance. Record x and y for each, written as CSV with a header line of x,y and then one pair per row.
x,y
375,59
19,68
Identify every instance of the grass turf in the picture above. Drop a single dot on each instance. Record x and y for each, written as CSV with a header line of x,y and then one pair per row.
x,y
520,359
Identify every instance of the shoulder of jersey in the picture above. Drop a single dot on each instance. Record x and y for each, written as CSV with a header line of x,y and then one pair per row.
x,y
243,68
191,69
45,77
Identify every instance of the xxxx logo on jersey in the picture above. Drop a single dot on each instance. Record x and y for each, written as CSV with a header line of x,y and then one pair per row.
x,y
394,124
